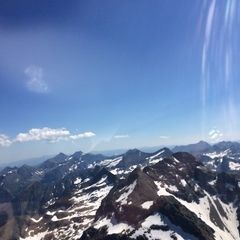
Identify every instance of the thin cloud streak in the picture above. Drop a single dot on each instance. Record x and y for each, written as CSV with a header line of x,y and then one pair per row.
x,y
121,136
164,137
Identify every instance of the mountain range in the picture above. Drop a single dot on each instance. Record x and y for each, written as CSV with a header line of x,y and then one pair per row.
x,y
190,192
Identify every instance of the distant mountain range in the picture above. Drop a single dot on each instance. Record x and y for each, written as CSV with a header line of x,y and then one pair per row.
x,y
193,148
203,147
190,192
30,161
37,160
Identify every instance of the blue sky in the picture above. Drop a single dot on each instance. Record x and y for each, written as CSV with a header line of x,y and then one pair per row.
x,y
98,75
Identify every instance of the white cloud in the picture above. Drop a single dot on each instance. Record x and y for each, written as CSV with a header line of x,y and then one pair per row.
x,y
37,134
121,136
51,134
4,141
164,137
35,80
44,134
215,134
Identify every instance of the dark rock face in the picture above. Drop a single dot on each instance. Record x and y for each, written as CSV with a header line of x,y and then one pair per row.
x,y
203,176
3,218
5,196
227,187
93,234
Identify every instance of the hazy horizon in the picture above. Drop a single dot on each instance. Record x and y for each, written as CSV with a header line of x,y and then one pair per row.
x,y
107,152
100,76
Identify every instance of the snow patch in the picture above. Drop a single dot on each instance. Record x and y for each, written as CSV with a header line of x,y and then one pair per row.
x,y
110,163
37,236
147,205
183,182
128,190
36,220
77,181
218,154
234,166
155,158
113,228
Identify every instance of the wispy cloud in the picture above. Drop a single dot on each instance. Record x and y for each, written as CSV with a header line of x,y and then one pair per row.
x,y
35,81
44,134
121,136
5,141
82,135
164,137
215,134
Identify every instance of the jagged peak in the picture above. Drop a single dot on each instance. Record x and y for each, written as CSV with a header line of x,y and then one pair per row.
x,y
163,151
59,157
77,154
61,154
133,151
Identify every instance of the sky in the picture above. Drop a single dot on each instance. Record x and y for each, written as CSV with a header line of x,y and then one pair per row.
x,y
98,75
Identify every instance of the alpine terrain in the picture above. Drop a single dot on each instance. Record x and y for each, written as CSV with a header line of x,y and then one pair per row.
x,y
187,193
